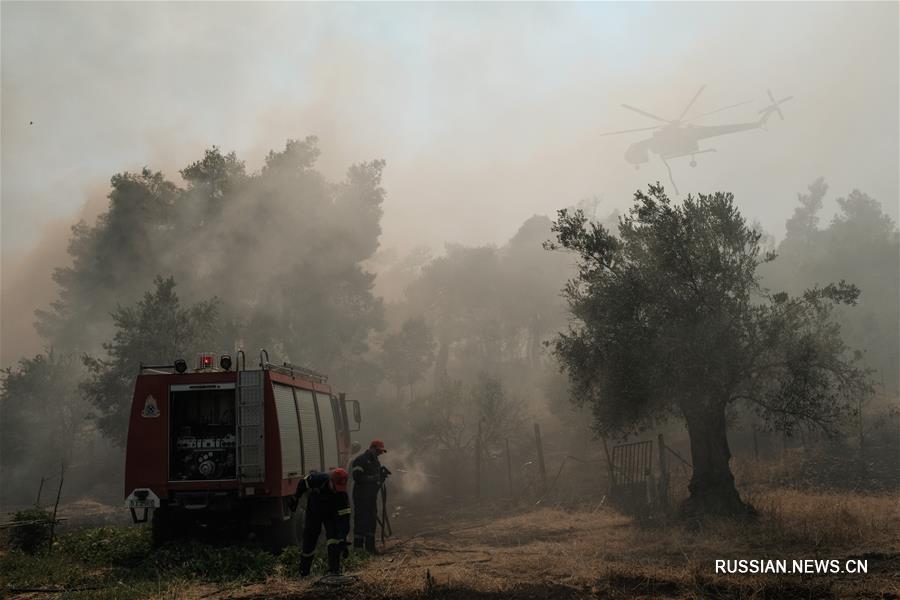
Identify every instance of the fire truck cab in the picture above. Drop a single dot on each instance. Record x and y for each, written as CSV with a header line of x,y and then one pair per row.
x,y
217,445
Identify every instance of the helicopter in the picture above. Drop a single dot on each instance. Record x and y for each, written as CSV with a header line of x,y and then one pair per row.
x,y
678,138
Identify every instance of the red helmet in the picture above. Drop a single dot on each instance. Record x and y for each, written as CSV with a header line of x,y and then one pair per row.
x,y
339,478
377,445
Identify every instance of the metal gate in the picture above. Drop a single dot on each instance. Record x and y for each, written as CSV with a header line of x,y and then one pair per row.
x,y
631,472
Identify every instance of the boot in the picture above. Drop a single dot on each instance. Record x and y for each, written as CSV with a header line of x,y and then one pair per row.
x,y
305,565
334,559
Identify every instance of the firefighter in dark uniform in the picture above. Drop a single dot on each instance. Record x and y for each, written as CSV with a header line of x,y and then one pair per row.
x,y
368,477
328,505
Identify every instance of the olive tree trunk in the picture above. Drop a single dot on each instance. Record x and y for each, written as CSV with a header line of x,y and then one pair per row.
x,y
712,484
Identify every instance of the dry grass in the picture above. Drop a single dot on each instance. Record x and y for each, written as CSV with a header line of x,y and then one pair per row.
x,y
765,474
827,521
595,552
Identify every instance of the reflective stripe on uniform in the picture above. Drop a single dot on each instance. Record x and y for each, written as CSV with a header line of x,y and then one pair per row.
x,y
344,511
333,541
308,554
358,469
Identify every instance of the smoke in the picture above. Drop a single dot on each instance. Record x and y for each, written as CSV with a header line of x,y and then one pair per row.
x,y
493,110
409,472
27,283
486,114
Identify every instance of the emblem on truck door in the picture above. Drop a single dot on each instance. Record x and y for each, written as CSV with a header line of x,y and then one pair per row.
x,y
151,410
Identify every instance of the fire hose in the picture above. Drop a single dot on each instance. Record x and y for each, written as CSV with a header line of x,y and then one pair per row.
x,y
384,522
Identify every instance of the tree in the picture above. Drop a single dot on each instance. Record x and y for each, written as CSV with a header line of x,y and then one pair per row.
x,y
531,309
670,319
492,308
296,284
42,417
111,260
803,225
861,243
442,420
283,249
500,414
447,420
408,354
459,295
215,176
155,330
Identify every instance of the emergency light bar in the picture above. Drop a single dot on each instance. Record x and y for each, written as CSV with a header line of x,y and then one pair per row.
x,y
206,360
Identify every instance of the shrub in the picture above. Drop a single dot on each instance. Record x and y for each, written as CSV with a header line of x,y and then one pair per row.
x,y
195,560
34,531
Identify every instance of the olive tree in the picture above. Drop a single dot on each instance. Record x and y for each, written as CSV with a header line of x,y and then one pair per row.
x,y
670,320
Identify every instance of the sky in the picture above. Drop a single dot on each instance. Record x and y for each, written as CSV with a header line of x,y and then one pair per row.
x,y
485,113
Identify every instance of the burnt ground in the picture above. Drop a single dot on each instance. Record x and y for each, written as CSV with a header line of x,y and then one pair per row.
x,y
531,552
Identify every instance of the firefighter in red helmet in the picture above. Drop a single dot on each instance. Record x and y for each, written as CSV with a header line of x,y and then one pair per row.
x,y
368,477
328,505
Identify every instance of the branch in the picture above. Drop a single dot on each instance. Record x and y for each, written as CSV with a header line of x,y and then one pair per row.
x,y
800,415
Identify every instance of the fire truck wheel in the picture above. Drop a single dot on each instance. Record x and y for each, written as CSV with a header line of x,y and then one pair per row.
x,y
165,526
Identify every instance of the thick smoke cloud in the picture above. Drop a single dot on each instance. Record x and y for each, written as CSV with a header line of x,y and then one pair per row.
x,y
486,114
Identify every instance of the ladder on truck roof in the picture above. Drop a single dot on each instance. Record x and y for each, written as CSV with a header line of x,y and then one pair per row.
x,y
251,455
287,368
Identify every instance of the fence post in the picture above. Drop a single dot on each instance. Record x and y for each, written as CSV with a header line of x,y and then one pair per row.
x,y
663,474
540,457
478,463
609,464
40,489
509,469
755,446
62,474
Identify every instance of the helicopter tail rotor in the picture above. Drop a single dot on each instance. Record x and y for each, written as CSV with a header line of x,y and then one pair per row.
x,y
775,106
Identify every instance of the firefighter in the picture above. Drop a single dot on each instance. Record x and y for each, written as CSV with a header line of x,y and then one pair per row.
x,y
355,447
328,505
368,477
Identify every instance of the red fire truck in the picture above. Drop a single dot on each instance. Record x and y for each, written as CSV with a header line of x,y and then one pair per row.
x,y
220,445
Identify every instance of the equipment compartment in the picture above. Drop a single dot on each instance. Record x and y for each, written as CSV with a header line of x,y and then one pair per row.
x,y
203,434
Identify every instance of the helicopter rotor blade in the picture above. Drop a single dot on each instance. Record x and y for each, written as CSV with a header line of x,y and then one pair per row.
x,y
629,130
775,105
691,103
645,113
712,112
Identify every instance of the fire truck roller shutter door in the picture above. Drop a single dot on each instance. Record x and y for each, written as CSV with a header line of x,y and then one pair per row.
x,y
309,427
329,431
289,432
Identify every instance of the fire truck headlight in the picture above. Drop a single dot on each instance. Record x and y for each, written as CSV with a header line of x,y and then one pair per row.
x,y
225,362
181,365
